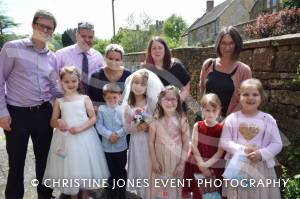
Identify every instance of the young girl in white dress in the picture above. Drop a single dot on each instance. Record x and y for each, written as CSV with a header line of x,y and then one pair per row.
x,y
76,152
141,91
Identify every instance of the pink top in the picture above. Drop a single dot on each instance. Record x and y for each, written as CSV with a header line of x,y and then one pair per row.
x,y
243,72
260,131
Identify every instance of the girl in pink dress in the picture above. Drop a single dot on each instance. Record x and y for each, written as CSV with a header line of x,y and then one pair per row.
x,y
205,154
168,143
254,136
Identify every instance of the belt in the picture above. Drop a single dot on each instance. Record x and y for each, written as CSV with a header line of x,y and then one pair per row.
x,y
30,108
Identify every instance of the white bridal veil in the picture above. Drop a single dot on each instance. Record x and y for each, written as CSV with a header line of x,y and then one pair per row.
x,y
154,87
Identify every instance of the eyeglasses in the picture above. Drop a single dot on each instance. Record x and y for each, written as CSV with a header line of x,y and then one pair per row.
x,y
169,99
45,28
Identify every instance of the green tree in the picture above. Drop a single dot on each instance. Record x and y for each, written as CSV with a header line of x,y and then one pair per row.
x,y
68,37
56,42
291,4
135,41
120,34
5,21
100,44
135,37
9,37
173,28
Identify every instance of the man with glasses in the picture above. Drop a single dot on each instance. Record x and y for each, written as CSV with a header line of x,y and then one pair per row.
x,y
28,81
81,54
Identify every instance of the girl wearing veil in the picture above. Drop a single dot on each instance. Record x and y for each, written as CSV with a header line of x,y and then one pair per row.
x,y
140,98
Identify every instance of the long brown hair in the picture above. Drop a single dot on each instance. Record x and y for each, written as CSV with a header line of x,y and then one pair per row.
x,y
159,112
167,55
142,74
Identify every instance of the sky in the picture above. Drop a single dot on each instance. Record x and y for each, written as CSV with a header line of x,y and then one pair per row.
x,y
69,12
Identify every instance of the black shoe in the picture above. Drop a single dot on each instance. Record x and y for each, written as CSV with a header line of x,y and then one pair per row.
x,y
63,196
121,195
111,194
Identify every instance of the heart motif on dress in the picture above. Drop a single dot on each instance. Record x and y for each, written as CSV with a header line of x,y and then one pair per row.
x,y
248,131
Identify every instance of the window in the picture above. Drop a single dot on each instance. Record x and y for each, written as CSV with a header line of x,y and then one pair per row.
x,y
269,2
272,5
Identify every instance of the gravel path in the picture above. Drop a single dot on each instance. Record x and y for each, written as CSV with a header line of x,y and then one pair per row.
x,y
29,173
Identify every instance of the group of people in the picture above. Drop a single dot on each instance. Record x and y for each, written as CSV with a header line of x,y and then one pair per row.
x,y
80,94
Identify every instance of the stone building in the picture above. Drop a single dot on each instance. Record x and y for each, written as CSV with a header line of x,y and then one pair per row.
x,y
231,12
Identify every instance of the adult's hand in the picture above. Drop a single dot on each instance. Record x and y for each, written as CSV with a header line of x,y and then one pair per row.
x,y
5,123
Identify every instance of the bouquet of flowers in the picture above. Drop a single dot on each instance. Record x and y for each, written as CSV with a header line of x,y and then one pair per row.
x,y
140,116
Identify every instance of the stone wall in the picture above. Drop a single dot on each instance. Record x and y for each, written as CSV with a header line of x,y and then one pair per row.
x,y
273,60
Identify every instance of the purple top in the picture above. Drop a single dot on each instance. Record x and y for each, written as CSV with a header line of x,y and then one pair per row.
x,y
260,131
72,56
27,75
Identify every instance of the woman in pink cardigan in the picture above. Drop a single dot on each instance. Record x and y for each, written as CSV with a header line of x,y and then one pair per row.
x,y
224,74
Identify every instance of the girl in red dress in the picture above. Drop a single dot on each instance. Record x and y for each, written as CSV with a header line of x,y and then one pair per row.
x,y
205,156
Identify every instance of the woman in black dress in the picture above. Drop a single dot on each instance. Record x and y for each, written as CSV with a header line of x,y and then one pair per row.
x,y
169,70
224,74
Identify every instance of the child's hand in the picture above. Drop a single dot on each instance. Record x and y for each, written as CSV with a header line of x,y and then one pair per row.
x,y
113,138
254,156
206,172
74,130
179,170
143,127
156,167
62,125
205,164
249,149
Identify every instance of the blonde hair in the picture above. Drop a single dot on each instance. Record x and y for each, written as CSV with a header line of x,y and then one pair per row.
x,y
111,88
212,100
72,70
252,83
114,48
145,76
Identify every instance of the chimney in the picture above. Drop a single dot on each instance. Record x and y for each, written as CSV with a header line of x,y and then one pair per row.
x,y
209,5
